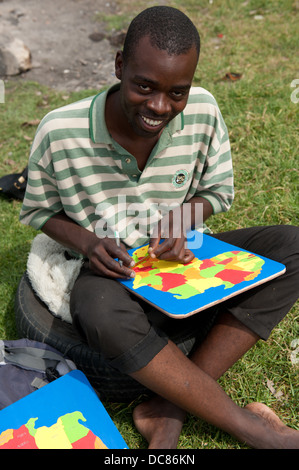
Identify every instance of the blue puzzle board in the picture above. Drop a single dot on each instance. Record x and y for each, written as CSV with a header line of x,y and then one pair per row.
x,y
65,414
218,272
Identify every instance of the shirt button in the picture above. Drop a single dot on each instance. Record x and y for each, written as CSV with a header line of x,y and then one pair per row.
x,y
128,160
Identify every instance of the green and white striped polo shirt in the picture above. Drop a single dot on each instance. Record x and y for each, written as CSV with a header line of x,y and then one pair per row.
x,y
76,166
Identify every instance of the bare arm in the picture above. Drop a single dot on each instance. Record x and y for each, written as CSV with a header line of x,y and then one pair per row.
x,y
100,252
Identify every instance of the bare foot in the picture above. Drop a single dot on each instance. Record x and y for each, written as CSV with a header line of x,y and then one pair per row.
x,y
281,436
160,423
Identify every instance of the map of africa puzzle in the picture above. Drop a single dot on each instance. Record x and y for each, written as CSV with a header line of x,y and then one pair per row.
x,y
218,271
65,414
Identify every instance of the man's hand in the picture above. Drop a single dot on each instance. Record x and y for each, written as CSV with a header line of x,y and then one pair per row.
x,y
173,229
174,247
102,253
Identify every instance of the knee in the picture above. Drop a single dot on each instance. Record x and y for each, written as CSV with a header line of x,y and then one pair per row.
x,y
288,249
282,240
109,325
94,322
288,238
289,231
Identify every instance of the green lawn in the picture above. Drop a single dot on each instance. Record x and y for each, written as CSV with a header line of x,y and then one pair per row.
x,y
258,39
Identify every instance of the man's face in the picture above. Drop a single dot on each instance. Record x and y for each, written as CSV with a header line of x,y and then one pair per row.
x,y
154,86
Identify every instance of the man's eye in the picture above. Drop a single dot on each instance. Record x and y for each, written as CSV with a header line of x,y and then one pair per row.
x,y
144,87
177,94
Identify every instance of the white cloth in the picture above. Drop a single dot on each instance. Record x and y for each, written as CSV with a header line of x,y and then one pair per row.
x,y
52,276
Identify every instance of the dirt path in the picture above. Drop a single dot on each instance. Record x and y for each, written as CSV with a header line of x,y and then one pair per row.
x,y
58,33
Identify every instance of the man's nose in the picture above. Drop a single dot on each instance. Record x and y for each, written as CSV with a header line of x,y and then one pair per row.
x,y
159,104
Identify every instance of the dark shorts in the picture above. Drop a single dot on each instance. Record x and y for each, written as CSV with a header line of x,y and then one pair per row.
x,y
129,332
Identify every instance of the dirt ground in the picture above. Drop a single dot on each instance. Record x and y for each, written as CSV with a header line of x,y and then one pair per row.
x,y
57,33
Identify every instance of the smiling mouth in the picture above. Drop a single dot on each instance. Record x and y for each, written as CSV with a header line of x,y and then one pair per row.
x,y
151,122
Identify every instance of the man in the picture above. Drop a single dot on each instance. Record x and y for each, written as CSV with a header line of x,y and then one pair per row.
x,y
155,140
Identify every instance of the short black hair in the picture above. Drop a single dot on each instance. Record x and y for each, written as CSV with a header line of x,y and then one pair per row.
x,y
168,28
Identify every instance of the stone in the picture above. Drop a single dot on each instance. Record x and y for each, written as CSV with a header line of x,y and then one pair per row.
x,y
15,56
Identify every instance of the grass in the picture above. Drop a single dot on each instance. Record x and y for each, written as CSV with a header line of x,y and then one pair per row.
x,y
258,39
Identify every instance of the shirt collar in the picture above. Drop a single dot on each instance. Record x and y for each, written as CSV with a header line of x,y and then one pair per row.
x,y
98,129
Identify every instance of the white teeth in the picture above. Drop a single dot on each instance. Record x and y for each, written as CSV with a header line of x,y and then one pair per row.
x,y
151,122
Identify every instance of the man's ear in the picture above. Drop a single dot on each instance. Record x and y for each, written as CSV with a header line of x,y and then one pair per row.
x,y
119,64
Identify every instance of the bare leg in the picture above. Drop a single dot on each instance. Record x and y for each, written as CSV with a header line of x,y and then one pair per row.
x,y
226,343
160,421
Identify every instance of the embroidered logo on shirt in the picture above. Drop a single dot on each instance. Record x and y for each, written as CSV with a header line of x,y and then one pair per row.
x,y
180,178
